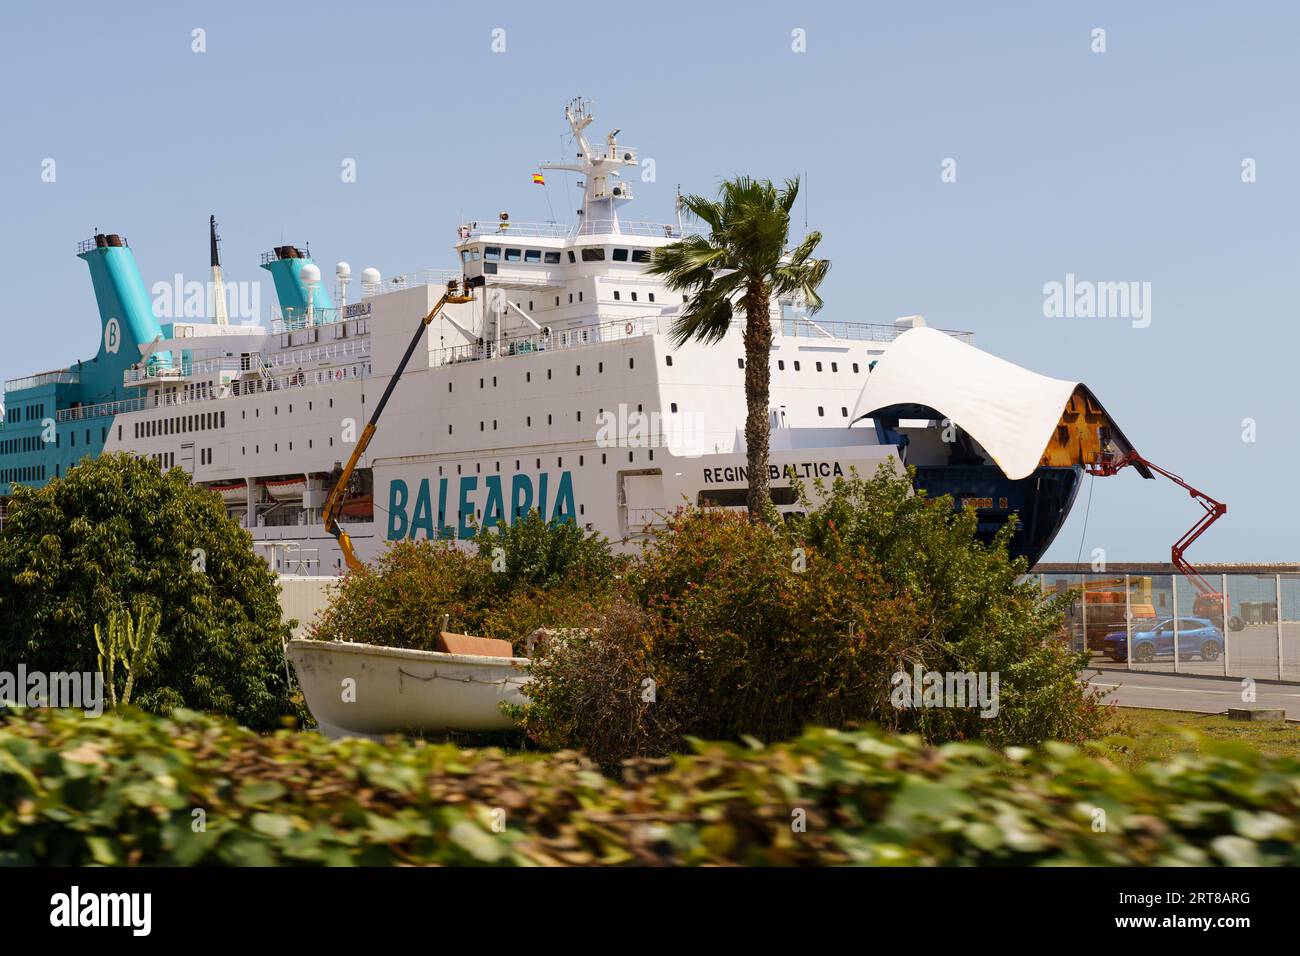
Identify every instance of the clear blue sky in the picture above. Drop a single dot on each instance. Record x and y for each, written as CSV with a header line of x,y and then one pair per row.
x,y
1123,165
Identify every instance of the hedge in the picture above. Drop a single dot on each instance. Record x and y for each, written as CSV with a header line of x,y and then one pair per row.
x,y
131,788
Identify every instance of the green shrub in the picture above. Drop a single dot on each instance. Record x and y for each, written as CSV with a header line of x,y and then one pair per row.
x,y
756,635
543,576
979,615
595,687
115,532
126,788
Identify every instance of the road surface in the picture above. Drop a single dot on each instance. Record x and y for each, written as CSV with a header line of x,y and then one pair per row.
x,y
1206,695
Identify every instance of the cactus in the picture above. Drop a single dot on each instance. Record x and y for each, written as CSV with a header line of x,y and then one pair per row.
x,y
129,641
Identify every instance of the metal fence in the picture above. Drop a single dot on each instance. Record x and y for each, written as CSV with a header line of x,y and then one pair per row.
x,y
1164,623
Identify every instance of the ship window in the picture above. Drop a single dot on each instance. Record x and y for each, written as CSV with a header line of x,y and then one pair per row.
x,y
489,268
855,368
491,253
631,362
119,432
480,383
552,259
528,421
640,255
512,255
673,406
480,426
593,254
620,255
600,367
652,296
570,298
844,412
819,366
668,359
780,365
633,296
580,459
579,296
449,427
528,376
740,363
835,367
577,370
821,412
494,381
449,386
533,255
223,416
572,257
549,420
615,295
602,458
796,366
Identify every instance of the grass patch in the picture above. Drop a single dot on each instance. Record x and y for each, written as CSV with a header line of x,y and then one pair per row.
x,y
1154,736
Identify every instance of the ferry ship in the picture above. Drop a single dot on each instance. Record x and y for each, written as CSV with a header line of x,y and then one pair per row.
x,y
557,387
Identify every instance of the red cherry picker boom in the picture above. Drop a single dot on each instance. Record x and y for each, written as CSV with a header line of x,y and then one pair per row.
x,y
1209,601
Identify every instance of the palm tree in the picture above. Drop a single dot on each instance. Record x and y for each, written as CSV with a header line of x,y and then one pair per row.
x,y
735,272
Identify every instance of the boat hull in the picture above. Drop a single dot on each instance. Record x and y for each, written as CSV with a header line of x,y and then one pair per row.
x,y
395,690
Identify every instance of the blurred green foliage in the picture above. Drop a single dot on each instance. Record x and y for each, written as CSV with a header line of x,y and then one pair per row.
x,y
135,788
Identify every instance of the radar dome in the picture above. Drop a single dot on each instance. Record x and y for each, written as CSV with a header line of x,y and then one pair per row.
x,y
343,270
310,273
371,275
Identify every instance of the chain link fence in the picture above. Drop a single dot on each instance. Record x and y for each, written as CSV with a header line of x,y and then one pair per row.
x,y
1227,625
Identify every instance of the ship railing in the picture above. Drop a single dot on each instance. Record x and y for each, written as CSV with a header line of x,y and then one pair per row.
x,y
168,371
636,326
62,376
559,230
82,412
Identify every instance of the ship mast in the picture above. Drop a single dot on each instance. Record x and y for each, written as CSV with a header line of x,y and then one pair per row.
x,y
218,285
603,189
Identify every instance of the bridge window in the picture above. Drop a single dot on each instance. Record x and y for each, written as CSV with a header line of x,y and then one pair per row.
x,y
620,255
533,255
553,259
491,253
640,255
512,255
593,254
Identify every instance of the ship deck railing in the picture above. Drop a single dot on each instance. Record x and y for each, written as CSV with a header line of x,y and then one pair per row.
x,y
638,326
62,376
248,363
495,229
83,412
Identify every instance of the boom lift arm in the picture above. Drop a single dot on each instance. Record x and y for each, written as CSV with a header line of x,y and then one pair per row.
x,y
1214,510
335,500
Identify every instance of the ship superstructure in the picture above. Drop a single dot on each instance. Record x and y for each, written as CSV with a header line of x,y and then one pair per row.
x,y
557,387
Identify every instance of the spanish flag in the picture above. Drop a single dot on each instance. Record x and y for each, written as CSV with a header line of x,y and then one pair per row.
x,y
538,180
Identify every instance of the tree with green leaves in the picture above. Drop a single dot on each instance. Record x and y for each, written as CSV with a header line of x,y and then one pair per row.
x,y
736,272
116,533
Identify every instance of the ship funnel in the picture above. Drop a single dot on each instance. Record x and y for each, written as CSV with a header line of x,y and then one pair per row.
x,y
285,263
126,315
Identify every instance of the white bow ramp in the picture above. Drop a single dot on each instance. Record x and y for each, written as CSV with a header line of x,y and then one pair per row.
x,y
1013,413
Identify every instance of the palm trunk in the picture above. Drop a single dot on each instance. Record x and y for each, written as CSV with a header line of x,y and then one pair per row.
x,y
758,352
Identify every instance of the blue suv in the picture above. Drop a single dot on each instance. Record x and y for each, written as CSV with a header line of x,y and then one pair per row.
x,y
1154,637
